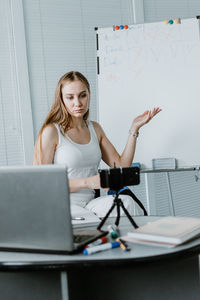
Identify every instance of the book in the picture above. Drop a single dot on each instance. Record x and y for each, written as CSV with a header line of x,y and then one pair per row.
x,y
166,231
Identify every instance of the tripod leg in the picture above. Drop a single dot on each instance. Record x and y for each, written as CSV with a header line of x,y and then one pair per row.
x,y
106,216
118,211
128,215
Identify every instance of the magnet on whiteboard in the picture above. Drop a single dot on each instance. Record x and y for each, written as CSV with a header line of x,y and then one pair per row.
x,y
177,21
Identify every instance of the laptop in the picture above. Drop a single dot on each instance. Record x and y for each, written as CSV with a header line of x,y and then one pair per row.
x,y
35,211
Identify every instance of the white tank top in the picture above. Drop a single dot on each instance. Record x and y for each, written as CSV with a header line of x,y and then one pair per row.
x,y
82,160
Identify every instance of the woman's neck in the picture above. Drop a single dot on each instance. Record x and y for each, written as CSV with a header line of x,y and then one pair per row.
x,y
78,123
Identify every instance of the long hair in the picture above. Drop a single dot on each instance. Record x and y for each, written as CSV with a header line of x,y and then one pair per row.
x,y
58,113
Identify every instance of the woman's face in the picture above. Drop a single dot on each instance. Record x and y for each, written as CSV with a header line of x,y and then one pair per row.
x,y
76,98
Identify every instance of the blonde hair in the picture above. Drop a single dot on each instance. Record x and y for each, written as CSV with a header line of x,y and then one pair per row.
x,y
58,113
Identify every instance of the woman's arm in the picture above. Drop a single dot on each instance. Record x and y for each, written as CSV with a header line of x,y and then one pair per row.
x,y
110,155
84,183
46,145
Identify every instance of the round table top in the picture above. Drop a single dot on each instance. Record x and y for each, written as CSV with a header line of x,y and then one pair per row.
x,y
138,253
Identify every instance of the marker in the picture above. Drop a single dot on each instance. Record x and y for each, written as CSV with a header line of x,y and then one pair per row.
x,y
112,231
100,241
100,248
78,218
123,245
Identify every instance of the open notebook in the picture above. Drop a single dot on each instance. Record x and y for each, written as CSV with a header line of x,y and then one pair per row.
x,y
82,217
35,211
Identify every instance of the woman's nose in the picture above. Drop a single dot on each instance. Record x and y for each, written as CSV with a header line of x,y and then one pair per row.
x,y
77,101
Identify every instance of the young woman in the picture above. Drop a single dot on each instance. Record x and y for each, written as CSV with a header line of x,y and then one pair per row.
x,y
68,137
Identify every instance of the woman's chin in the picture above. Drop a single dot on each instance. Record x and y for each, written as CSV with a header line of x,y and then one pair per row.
x,y
78,115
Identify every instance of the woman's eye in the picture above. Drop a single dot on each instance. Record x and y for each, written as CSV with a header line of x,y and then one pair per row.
x,y
83,95
69,97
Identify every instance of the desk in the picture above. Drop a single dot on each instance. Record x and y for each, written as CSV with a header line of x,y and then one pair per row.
x,y
143,273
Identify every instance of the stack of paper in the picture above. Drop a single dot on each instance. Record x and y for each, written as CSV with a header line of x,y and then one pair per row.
x,y
167,231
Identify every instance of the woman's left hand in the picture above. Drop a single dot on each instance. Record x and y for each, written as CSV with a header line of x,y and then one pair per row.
x,y
143,119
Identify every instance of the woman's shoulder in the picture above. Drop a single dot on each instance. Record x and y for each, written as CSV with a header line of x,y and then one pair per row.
x,y
95,125
98,129
50,132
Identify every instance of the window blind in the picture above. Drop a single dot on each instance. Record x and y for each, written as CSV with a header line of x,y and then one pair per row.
x,y
12,150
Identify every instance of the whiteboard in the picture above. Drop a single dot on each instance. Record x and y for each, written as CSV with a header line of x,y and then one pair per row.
x,y
149,65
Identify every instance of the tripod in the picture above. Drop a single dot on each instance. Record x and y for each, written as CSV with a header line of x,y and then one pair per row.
x,y
118,203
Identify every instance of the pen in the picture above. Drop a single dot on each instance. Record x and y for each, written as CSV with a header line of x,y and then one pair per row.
x,y
99,248
78,218
100,241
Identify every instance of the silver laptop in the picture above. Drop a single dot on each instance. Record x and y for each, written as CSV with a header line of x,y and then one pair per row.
x,y
35,211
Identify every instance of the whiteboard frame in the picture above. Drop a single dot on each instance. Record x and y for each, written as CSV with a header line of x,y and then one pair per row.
x,y
180,164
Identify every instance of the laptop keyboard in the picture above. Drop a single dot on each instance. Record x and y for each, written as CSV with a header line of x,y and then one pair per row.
x,y
81,238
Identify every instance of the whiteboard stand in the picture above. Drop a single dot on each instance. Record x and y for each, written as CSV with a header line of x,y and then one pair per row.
x,y
138,11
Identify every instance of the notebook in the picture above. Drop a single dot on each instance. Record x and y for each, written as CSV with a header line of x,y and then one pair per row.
x,y
35,211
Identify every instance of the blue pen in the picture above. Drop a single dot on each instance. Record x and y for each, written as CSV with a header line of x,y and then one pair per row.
x,y
100,248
